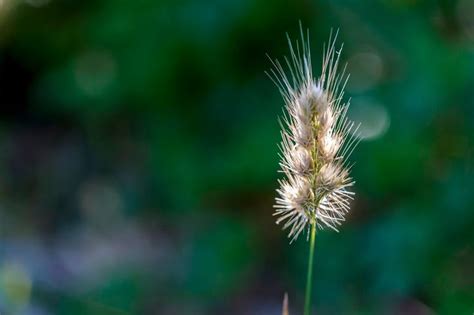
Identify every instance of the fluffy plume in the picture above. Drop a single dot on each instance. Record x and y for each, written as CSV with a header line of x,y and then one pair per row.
x,y
317,139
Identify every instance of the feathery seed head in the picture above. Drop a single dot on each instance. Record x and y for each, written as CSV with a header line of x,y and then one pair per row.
x,y
317,139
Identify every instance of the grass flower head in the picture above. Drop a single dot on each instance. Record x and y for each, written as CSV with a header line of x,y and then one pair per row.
x,y
317,139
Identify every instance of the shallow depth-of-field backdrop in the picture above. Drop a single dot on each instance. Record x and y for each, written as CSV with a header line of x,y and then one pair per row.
x,y
138,158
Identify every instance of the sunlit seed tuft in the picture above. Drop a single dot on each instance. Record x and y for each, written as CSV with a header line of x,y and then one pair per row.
x,y
317,140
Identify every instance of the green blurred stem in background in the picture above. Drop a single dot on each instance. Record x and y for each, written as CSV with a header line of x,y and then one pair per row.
x,y
309,278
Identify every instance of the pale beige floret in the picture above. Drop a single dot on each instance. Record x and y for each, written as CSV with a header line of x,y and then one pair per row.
x,y
329,144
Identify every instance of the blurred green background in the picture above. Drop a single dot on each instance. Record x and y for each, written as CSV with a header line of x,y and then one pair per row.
x,y
138,158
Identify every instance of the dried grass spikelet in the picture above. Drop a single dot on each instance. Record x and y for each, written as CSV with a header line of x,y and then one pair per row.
x,y
317,139
285,305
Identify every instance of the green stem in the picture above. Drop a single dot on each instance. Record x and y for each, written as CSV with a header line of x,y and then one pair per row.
x,y
309,278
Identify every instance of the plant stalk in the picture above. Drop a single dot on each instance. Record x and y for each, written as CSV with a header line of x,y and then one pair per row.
x,y
309,277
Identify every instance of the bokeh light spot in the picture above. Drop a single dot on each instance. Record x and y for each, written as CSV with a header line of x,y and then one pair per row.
x,y
374,119
366,69
15,283
94,72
